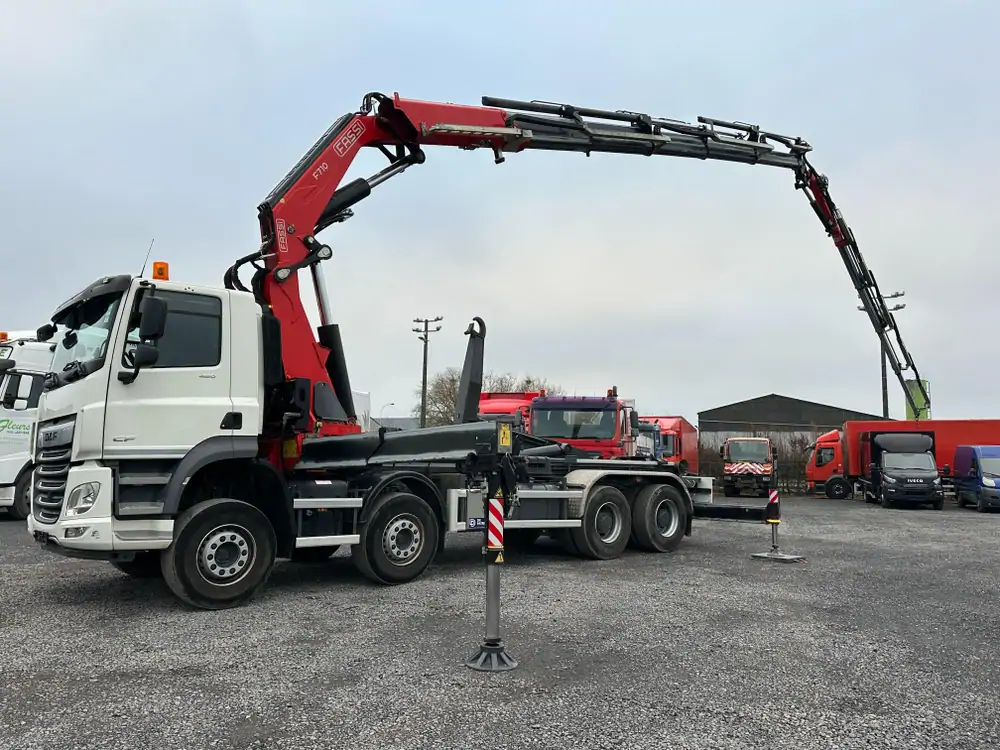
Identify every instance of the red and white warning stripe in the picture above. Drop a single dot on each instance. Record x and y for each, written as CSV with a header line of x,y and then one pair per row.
x,y
772,497
494,528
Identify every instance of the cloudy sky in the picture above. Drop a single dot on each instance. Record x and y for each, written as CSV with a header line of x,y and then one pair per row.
x,y
687,284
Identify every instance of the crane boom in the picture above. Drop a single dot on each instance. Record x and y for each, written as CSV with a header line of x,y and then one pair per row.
x,y
310,198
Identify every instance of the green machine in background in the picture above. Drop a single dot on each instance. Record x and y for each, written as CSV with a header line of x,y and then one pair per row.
x,y
923,405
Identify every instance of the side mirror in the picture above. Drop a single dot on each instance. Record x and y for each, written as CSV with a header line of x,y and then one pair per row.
x,y
722,451
872,467
145,355
947,470
46,332
633,419
6,364
153,322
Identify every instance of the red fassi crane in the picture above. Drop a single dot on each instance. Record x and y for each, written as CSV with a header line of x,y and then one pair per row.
x,y
309,200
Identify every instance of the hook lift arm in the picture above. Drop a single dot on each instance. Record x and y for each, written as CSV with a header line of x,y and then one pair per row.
x,y
310,198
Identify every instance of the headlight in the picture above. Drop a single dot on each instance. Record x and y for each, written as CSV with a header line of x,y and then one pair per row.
x,y
937,482
888,480
82,498
989,482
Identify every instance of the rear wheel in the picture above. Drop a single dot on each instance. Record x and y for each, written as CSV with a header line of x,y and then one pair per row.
x,y
399,540
659,518
144,565
222,554
21,508
607,521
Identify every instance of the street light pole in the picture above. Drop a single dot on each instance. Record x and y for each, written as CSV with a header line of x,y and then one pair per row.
x,y
424,334
885,373
382,411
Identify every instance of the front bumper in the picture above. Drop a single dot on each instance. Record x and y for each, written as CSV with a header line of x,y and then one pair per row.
x,y
990,495
97,534
925,494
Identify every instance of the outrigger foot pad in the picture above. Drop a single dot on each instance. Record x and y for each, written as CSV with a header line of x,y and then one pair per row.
x,y
492,657
776,556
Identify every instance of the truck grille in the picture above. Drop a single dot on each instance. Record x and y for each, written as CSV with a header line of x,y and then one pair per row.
x,y
49,480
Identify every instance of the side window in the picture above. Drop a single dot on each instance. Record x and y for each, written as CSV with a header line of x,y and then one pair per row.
x,y
824,456
193,335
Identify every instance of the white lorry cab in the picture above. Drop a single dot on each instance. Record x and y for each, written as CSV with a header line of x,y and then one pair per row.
x,y
24,362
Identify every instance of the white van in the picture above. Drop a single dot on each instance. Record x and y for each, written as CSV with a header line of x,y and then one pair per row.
x,y
20,388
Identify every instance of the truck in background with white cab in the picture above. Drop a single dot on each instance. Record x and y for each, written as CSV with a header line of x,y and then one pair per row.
x,y
24,362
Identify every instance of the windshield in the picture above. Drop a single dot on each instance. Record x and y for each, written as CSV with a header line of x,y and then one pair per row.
x,y
990,467
574,424
84,332
748,450
905,461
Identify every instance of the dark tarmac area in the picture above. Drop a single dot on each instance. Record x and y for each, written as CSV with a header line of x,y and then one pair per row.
x,y
886,637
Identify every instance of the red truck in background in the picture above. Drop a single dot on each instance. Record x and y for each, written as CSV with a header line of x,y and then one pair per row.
x,y
839,458
749,463
680,442
517,404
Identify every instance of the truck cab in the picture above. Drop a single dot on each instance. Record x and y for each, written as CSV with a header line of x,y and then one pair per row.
x,y
680,442
902,469
27,362
977,476
605,426
749,463
825,466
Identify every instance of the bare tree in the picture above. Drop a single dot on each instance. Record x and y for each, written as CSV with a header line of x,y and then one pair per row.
x,y
442,391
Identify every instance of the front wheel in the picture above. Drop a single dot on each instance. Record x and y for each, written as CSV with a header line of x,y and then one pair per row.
x,y
606,524
222,554
837,488
399,540
659,518
21,508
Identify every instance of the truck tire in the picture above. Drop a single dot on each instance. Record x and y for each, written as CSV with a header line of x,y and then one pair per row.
x,y
607,522
399,540
884,500
564,537
314,554
21,508
981,503
222,554
938,504
837,488
145,565
659,518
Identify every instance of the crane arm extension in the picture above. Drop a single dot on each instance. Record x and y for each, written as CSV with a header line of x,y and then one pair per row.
x,y
311,197
816,188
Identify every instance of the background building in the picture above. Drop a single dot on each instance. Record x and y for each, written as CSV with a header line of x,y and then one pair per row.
x,y
793,425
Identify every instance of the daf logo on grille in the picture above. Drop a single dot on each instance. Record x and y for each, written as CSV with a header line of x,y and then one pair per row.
x,y
915,481
48,437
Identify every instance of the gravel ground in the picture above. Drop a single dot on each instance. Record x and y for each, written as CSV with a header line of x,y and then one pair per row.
x,y
882,639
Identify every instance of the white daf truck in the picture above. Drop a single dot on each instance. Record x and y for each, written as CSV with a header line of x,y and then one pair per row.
x,y
25,364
